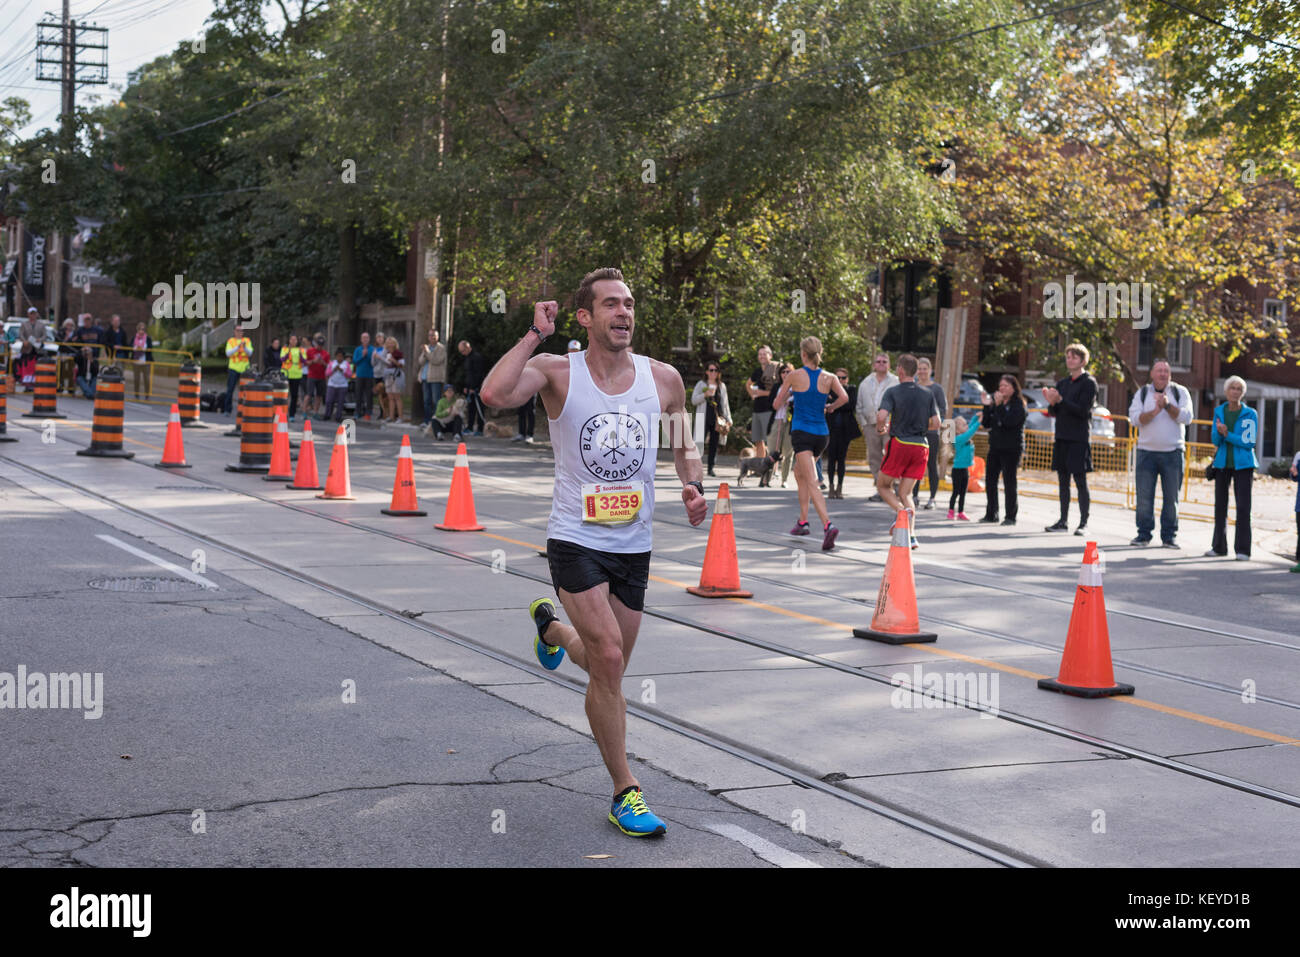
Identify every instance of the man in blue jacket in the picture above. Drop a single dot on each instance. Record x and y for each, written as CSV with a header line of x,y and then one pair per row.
x,y
365,376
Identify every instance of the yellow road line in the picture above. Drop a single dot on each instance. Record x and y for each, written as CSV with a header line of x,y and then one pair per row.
x,y
982,662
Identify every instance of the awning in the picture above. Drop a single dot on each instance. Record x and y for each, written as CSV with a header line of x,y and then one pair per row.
x,y
1260,390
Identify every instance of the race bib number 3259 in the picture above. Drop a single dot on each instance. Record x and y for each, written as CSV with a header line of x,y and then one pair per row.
x,y
612,504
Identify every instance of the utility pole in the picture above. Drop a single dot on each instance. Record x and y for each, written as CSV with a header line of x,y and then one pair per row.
x,y
57,45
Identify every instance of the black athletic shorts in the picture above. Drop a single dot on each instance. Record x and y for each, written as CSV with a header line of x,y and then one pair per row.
x,y
576,568
802,441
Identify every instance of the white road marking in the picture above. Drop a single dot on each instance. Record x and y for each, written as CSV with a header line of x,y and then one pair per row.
x,y
176,569
772,853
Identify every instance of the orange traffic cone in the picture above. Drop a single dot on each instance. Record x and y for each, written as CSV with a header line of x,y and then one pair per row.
x,y
1085,666
306,479
896,621
174,446
338,483
404,500
460,515
281,466
720,577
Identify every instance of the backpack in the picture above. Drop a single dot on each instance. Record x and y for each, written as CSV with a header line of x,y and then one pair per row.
x,y
1173,387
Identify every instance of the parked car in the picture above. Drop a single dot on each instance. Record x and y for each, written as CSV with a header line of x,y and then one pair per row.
x,y
11,327
1037,420
970,392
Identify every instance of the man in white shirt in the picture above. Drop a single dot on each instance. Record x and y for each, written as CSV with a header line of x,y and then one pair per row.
x,y
1160,412
869,394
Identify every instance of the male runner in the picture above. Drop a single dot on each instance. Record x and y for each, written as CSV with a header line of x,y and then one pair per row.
x,y
907,411
601,404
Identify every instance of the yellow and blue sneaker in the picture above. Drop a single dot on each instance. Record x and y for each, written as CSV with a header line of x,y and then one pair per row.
x,y
543,612
630,815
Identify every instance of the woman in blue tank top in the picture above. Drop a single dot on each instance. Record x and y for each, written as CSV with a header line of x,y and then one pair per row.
x,y
809,390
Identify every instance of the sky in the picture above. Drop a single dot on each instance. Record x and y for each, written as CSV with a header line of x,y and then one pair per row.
x,y
138,31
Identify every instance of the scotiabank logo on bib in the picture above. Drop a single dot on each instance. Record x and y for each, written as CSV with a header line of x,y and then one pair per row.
x,y
613,445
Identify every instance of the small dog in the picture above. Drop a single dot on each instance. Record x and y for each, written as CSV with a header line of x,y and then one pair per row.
x,y
493,430
760,465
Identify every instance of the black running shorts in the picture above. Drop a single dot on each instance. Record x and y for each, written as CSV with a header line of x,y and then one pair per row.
x,y
576,568
802,441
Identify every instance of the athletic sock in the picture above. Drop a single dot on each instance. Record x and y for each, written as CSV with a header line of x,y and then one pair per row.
x,y
550,617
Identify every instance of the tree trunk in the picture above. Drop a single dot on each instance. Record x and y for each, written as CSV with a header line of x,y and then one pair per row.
x,y
349,332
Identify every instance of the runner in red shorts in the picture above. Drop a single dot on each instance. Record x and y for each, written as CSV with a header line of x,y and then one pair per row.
x,y
906,413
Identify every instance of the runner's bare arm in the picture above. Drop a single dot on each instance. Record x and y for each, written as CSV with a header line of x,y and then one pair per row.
x,y
781,395
686,457
516,378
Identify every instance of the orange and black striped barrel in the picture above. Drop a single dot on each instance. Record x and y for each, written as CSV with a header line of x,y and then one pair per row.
x,y
258,428
4,388
280,388
110,411
44,402
246,379
187,392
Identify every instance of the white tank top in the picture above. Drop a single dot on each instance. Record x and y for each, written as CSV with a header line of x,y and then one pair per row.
x,y
603,444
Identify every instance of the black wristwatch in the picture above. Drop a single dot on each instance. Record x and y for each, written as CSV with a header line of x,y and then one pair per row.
x,y
540,338
698,485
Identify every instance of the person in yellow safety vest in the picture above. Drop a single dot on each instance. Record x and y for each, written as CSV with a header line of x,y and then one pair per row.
x,y
239,349
293,360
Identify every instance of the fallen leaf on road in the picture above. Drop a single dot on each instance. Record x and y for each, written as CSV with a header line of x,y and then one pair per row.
x,y
597,857
125,757
451,750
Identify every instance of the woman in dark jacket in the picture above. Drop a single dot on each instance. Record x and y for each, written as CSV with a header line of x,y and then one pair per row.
x,y
844,429
1004,417
271,359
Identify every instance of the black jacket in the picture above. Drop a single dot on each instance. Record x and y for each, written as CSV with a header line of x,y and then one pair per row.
x,y
475,370
1006,425
1074,411
842,422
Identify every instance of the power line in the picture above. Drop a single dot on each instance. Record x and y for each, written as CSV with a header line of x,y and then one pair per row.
x,y
225,116
1226,26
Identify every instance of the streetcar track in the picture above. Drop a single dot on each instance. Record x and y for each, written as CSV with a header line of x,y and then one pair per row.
x,y
850,794
956,701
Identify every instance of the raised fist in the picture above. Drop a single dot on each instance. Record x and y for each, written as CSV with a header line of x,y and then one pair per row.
x,y
544,314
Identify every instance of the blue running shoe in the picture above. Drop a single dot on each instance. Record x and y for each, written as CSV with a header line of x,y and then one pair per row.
x,y
630,815
543,611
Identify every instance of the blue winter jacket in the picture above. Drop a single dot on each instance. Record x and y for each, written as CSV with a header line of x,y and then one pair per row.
x,y
964,455
1242,439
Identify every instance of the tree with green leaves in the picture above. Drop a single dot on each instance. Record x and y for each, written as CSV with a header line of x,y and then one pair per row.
x,y
1107,174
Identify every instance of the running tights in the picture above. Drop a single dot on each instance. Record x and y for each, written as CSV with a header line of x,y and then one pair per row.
x,y
1081,480
932,462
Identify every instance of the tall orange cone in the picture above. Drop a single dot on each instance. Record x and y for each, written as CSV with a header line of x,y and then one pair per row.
x,y
338,483
306,479
720,576
1085,666
460,515
896,621
281,465
404,500
174,446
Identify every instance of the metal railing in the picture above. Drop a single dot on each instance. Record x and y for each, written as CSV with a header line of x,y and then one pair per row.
x,y
155,381
1114,459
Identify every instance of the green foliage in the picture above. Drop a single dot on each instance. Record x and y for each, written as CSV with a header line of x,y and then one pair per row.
x,y
1108,173
1240,73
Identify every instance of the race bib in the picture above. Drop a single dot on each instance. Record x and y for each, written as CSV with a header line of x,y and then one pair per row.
x,y
612,504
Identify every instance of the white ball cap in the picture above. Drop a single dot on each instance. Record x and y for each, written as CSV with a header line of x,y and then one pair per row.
x,y
575,345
